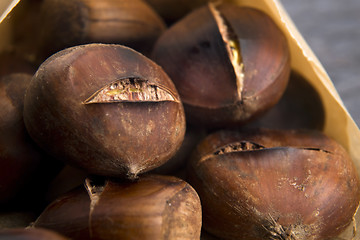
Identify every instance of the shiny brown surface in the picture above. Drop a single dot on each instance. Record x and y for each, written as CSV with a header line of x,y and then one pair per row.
x,y
119,139
302,185
193,53
69,23
153,207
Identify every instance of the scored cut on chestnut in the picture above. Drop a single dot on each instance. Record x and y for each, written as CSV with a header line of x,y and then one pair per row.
x,y
232,65
153,207
272,184
106,109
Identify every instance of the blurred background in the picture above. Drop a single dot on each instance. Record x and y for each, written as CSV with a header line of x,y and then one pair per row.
x,y
332,30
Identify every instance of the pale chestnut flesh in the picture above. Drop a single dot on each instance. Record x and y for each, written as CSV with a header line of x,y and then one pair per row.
x,y
274,185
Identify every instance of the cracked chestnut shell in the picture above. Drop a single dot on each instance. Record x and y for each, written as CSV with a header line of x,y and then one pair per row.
x,y
106,109
66,23
229,63
153,207
269,184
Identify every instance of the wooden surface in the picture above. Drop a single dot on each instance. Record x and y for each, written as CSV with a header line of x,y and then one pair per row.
x,y
332,30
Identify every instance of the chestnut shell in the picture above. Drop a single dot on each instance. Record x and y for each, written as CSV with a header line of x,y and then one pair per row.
x,y
280,185
73,22
194,54
67,112
153,207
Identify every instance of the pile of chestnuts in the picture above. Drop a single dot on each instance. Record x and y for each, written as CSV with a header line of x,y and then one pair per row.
x,y
163,120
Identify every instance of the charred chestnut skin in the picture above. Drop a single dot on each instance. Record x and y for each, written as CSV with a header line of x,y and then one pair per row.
x,y
30,234
153,207
74,22
73,110
278,185
227,71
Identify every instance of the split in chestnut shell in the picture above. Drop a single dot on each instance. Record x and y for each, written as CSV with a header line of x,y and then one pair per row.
x,y
106,109
269,184
229,63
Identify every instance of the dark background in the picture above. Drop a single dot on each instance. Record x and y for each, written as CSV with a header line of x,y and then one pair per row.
x,y
332,30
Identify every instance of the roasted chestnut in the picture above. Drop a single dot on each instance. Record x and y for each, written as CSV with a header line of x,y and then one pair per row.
x,y
29,234
229,63
67,23
106,109
153,207
269,184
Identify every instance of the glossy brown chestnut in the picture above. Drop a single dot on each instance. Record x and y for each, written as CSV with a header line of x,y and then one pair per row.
x,y
68,23
30,234
229,63
153,207
106,109
21,159
270,184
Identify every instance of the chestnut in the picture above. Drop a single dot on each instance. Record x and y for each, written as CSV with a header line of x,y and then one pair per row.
x,y
67,23
21,161
30,234
153,207
273,184
229,63
106,109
